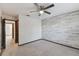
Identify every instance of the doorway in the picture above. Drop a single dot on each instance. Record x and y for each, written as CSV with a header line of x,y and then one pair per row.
x,y
9,33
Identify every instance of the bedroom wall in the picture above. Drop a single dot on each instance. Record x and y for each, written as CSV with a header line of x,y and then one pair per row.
x,y
62,29
29,29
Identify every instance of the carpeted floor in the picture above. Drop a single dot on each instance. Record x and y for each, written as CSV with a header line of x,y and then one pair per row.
x,y
41,48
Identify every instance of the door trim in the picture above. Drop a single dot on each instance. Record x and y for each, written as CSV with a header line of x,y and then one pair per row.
x,y
3,34
3,39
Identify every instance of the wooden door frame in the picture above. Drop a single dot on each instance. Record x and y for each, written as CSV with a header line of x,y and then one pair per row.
x,y
17,31
2,34
3,40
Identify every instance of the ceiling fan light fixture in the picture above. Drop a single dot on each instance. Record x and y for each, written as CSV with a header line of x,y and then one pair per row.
x,y
41,12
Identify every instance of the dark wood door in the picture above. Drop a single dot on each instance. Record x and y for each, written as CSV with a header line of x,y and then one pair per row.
x,y
3,45
13,30
16,32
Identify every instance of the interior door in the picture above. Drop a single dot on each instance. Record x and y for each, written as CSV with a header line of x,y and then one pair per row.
x,y
3,34
17,32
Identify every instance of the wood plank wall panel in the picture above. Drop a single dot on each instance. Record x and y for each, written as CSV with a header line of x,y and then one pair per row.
x,y
62,29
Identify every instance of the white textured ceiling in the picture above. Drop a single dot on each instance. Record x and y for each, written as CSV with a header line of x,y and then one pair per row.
x,y
15,9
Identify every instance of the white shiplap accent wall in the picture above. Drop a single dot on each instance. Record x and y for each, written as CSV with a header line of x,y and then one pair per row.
x,y
62,29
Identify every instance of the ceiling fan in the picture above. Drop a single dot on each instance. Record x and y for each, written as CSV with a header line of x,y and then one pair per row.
x,y
42,9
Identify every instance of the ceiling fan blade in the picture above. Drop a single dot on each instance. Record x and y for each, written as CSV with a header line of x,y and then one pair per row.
x,y
52,5
36,4
27,15
39,14
38,7
47,12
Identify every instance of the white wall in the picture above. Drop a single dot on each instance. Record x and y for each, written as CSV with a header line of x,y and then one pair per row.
x,y
29,29
63,29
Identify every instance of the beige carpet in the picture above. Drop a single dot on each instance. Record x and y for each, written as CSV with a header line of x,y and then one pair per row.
x,y
42,48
